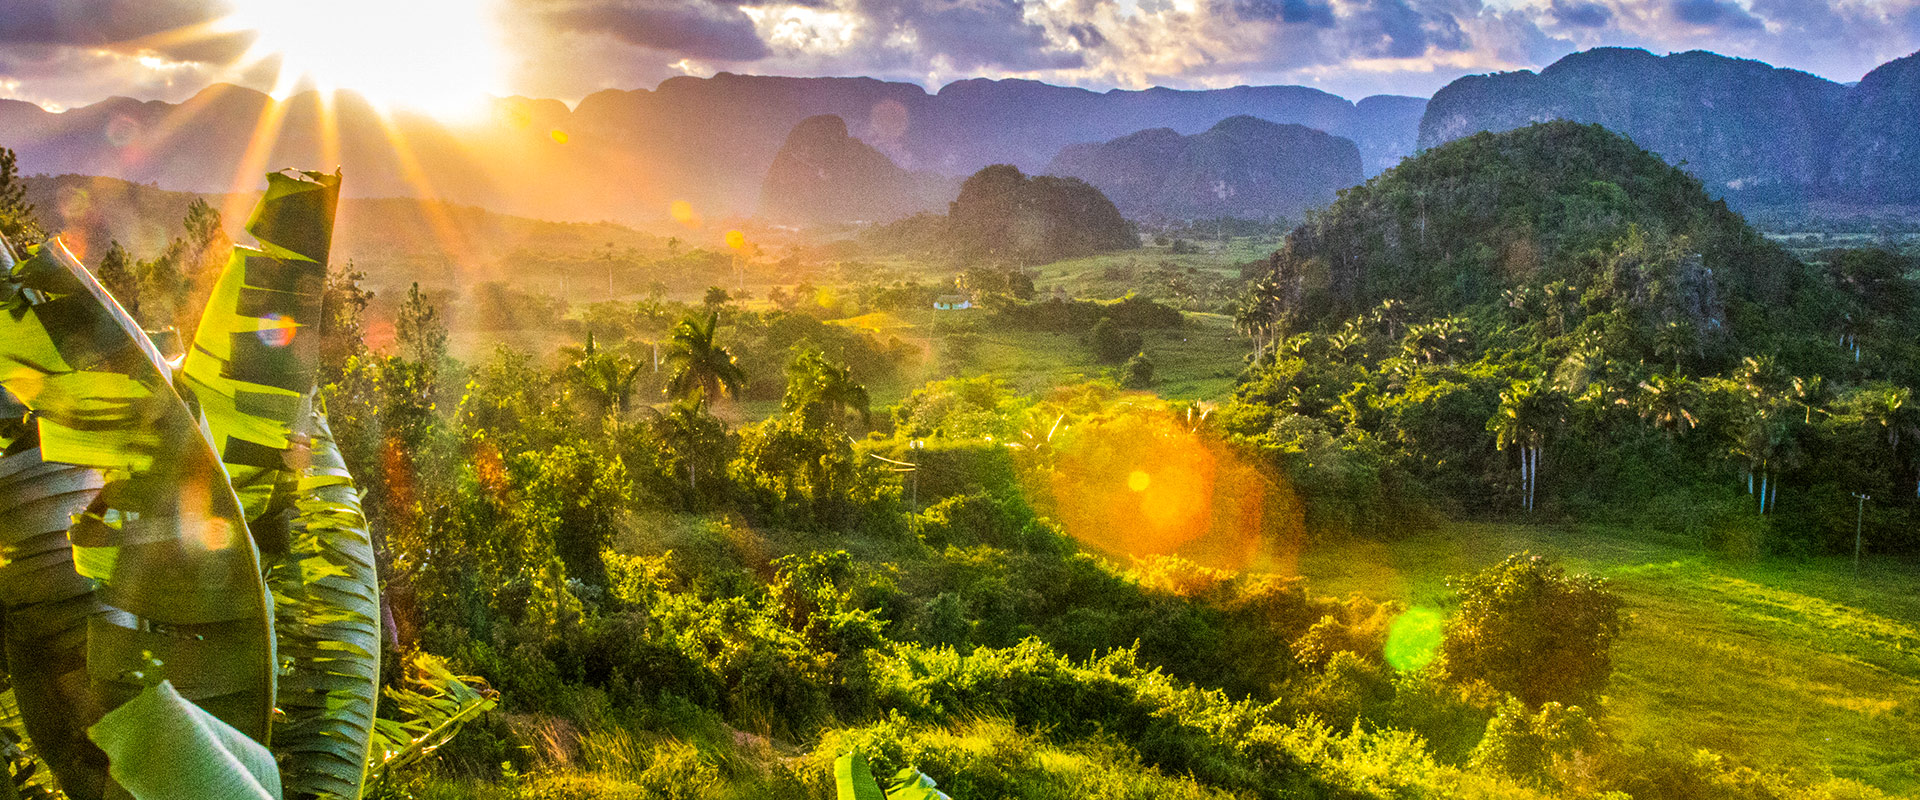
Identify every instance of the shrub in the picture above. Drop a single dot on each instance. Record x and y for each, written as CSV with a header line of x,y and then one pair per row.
x,y
1527,628
1111,344
1138,372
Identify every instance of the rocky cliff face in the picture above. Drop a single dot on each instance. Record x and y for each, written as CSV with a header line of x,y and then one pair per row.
x,y
1746,129
1243,167
1878,154
823,175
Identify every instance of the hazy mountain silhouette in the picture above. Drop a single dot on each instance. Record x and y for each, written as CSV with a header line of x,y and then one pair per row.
x,y
824,175
627,155
1749,131
1243,167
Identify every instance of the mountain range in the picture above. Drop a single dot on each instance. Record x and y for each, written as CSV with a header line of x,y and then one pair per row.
x,y
1243,167
630,155
1751,132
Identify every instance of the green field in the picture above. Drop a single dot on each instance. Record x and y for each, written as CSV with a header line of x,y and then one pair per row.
x,y
1785,664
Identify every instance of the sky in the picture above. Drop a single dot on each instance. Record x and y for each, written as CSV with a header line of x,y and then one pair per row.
x,y
66,53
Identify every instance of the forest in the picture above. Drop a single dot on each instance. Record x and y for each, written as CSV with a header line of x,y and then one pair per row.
x,y
1480,422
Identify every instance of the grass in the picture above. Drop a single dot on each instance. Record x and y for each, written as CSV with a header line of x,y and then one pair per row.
x,y
1195,362
1788,664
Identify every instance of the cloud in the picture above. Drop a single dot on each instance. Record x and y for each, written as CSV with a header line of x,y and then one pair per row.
x,y
570,48
1580,14
59,76
128,26
1715,14
689,28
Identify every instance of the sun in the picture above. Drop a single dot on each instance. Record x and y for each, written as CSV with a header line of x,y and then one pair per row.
x,y
441,57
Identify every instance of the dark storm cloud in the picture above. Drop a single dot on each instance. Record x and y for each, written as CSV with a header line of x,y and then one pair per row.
x,y
1580,14
694,29
1715,14
121,25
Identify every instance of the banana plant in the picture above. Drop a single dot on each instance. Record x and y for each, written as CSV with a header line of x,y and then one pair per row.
x,y
184,552
853,780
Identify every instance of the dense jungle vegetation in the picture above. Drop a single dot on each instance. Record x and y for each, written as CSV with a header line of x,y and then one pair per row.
x,y
696,557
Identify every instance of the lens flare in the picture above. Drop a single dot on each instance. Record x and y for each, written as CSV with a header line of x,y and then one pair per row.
x,y
1414,639
682,212
277,336
1138,483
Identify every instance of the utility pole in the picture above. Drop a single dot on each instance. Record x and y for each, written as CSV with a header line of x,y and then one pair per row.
x,y
1859,517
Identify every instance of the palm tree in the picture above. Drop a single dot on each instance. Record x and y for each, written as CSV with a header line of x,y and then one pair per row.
x,y
822,392
692,436
608,377
702,368
1666,400
1528,411
1257,314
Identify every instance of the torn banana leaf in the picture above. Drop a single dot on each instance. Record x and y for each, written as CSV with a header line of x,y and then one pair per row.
x,y
327,616
429,717
253,360
161,565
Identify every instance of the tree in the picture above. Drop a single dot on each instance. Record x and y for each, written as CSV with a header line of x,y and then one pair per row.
x,y
607,377
1526,627
419,331
17,221
694,440
1112,344
1137,373
702,369
116,273
716,297
1666,400
1528,411
821,393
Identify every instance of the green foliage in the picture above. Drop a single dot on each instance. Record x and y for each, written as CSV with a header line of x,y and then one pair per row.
x,y
1528,628
1111,344
17,220
702,370
1137,373
1004,215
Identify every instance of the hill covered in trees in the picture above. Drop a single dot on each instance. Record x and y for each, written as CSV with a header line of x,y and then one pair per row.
x,y
1003,215
1556,295
1244,167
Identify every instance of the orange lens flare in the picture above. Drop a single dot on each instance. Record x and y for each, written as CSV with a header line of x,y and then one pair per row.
x,y
1138,483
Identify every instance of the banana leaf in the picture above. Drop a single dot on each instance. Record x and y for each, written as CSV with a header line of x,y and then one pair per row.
x,y
327,616
853,780
431,716
160,566
163,747
256,352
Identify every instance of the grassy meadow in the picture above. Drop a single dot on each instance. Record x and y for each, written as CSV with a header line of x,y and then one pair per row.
x,y
1794,664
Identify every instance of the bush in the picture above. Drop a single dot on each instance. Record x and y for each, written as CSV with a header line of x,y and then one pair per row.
x,y
1527,628
1138,372
1111,344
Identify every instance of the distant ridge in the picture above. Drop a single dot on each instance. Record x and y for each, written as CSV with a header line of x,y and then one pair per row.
x,y
627,155
1749,131
1243,167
